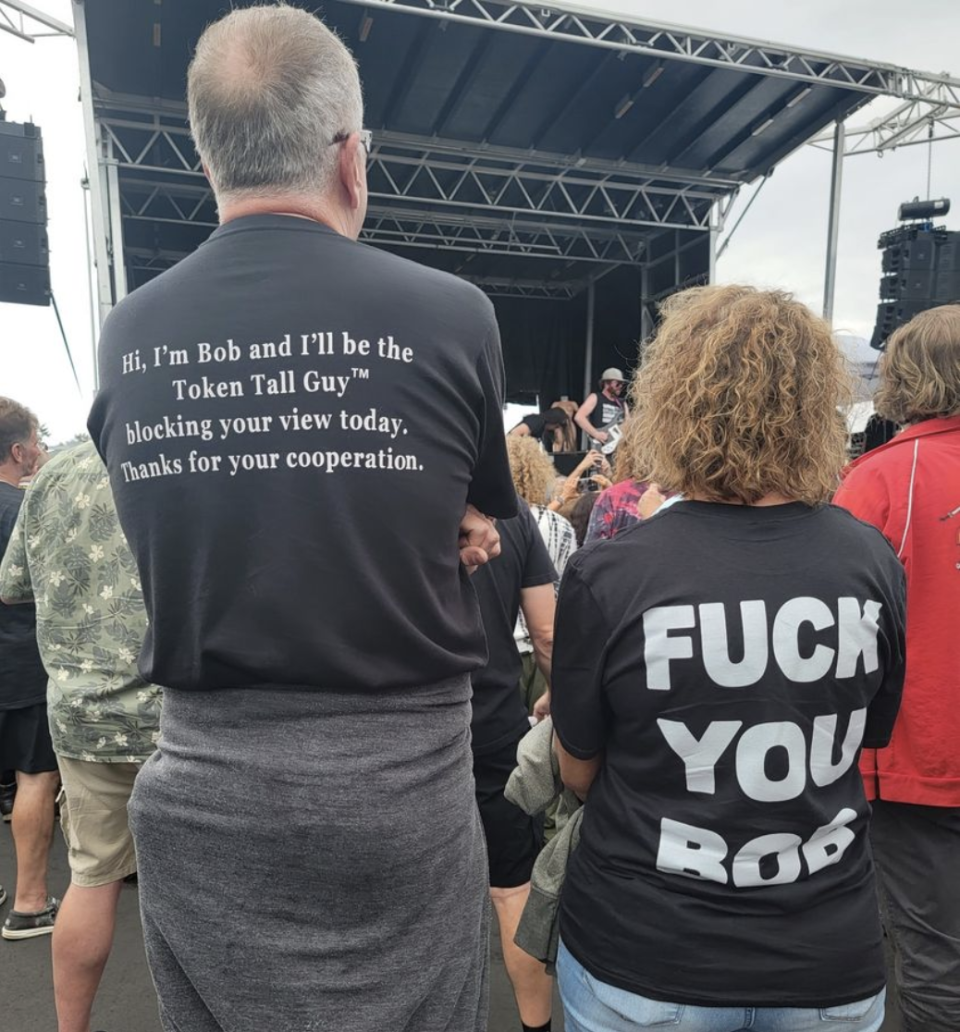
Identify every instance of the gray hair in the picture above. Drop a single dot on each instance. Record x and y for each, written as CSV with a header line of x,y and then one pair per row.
x,y
269,88
17,425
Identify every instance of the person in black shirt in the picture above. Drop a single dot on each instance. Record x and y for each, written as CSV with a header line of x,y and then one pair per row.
x,y
717,669
522,579
547,427
295,425
25,744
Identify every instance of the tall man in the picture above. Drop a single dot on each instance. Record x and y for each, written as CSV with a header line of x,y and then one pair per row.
x,y
604,409
68,552
25,745
294,425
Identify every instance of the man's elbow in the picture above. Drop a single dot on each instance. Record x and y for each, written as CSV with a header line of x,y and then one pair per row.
x,y
579,786
542,642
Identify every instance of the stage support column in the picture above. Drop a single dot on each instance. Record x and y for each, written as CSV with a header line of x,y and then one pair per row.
x,y
588,349
647,324
833,231
116,229
715,227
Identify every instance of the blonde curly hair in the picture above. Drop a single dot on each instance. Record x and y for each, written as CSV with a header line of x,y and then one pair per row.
x,y
533,473
739,396
920,368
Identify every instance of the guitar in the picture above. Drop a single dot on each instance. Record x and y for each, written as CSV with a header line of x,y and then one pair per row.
x,y
614,432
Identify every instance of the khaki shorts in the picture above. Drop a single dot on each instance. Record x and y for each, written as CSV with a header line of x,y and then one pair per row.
x,y
93,817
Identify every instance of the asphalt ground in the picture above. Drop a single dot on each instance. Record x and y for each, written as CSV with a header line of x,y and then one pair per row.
x,y
126,1002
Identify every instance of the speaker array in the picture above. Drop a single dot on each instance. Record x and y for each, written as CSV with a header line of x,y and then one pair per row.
x,y
920,270
24,252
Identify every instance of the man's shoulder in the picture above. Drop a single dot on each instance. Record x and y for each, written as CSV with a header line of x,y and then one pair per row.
x,y
75,464
402,274
10,497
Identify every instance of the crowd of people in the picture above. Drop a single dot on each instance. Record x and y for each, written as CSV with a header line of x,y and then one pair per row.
x,y
724,687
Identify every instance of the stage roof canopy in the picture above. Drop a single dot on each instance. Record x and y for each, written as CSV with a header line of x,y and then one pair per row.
x,y
528,146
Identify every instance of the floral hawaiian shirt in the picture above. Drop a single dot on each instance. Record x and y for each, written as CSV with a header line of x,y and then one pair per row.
x,y
68,554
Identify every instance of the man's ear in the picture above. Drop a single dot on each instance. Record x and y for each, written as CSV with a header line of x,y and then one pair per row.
x,y
206,172
353,160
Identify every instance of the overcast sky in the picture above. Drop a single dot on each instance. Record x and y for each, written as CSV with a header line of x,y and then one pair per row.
x,y
781,242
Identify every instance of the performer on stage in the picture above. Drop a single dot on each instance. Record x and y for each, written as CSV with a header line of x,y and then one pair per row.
x,y
604,410
551,428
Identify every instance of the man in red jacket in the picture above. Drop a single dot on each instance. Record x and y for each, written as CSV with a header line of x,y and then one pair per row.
x,y
910,489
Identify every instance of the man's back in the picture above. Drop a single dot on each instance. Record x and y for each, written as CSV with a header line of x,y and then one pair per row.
x,y
293,424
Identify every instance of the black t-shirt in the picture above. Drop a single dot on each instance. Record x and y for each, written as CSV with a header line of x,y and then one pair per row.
x,y
729,662
607,411
293,423
524,562
23,680
536,424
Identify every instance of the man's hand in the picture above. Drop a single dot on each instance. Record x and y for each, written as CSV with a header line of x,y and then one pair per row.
x,y
541,708
479,540
602,436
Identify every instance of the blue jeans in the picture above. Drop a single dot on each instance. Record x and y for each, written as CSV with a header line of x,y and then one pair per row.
x,y
590,1005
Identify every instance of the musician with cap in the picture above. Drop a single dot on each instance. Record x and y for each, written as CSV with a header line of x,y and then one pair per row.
x,y
604,409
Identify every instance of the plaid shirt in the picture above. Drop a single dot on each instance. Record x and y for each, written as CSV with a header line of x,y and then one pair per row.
x,y
561,541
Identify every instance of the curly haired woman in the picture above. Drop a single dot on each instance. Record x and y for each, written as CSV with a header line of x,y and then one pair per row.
x,y
717,669
533,477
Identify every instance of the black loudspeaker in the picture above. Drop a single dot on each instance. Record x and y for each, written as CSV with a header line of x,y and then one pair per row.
x,y
24,252
24,284
947,287
21,152
24,243
921,270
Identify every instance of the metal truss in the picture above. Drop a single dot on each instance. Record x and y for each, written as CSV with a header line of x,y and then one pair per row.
x,y
934,117
416,172
553,19
478,235
547,290
17,17
188,204
158,259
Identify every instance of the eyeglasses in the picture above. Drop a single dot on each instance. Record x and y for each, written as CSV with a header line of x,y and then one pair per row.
x,y
366,140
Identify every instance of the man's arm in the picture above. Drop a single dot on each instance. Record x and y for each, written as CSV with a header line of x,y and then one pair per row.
x,y
539,607
577,775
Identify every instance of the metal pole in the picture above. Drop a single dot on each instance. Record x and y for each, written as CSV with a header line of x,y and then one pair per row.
x,y
85,186
833,231
588,350
116,232
647,324
98,217
714,237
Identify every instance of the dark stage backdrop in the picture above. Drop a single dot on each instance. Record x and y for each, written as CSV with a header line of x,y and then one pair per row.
x,y
544,342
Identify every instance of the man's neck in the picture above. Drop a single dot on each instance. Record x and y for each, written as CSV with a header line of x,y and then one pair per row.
x,y
293,207
611,397
10,474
